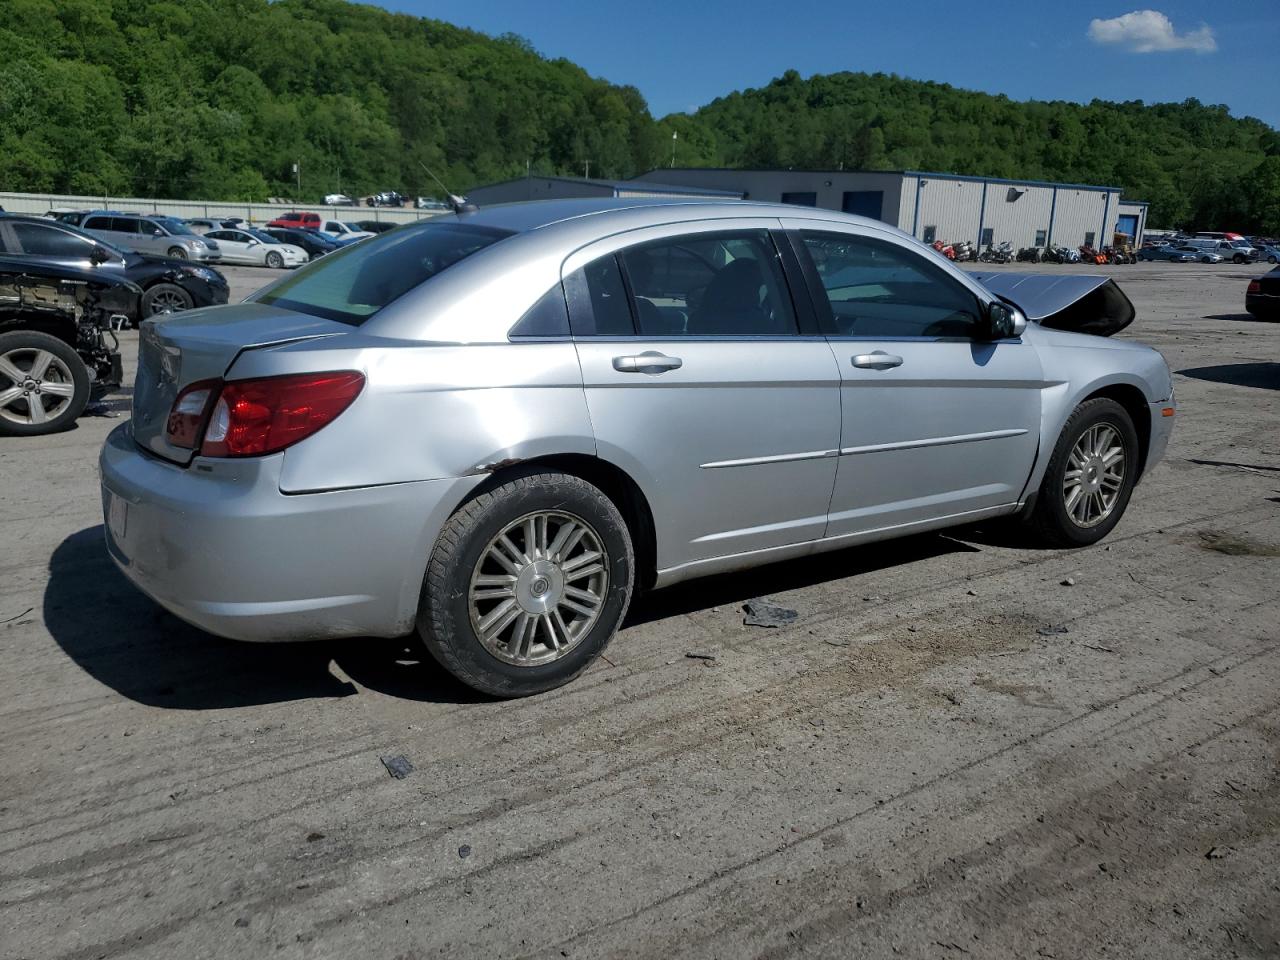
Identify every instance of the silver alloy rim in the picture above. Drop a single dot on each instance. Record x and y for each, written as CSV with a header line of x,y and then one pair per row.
x,y
274,261
1095,475
167,301
538,588
35,386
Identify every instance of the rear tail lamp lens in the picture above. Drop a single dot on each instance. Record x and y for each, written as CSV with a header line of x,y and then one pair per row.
x,y
256,417
1255,286
187,417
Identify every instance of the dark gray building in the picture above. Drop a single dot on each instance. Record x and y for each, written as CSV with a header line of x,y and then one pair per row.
x,y
556,188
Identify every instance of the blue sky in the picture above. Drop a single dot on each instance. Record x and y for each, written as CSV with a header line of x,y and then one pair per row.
x,y
684,54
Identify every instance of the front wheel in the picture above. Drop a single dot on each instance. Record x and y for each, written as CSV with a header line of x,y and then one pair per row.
x,y
1090,476
44,384
527,584
275,261
165,298
177,253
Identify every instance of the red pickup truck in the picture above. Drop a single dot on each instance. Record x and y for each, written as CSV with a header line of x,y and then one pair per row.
x,y
296,220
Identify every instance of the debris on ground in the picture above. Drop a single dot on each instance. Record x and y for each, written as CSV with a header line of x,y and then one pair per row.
x,y
1097,646
971,593
762,613
1217,853
399,767
837,642
1068,581
464,851
700,656
314,835
1049,629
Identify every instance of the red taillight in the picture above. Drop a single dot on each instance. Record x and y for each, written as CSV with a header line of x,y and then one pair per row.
x,y
255,417
1255,286
187,418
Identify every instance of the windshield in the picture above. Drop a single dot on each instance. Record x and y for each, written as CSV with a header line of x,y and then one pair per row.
x,y
263,236
352,284
174,225
354,227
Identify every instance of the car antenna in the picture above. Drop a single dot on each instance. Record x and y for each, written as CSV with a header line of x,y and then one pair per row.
x,y
457,203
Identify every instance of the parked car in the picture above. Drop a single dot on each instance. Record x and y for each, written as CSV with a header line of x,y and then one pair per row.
x,y
156,234
1237,251
258,248
1269,252
338,200
344,232
430,203
297,220
493,427
57,351
72,217
167,286
389,198
376,226
1262,297
1201,254
1167,252
316,244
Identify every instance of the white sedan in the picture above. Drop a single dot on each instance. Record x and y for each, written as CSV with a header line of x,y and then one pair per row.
x,y
257,248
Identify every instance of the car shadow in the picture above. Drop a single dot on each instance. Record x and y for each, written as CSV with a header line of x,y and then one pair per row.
x,y
732,588
1264,375
1236,317
126,641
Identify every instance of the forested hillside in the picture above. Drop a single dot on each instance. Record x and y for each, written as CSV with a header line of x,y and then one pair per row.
x,y
219,98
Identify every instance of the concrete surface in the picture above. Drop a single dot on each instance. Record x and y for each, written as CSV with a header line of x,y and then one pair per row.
x,y
910,770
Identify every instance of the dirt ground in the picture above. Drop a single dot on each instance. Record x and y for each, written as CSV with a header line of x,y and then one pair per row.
x,y
911,769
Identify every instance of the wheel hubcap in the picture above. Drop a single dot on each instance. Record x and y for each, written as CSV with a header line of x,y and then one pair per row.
x,y
35,386
1094,476
538,588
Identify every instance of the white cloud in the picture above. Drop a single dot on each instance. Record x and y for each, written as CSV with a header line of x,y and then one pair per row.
x,y
1150,31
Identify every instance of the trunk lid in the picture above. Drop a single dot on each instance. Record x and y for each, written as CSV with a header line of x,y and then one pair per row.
x,y
175,350
1082,304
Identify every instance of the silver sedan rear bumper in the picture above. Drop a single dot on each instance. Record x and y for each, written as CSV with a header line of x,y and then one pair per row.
x,y
219,545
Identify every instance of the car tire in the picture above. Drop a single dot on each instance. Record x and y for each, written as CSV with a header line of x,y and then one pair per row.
x,y
1271,259
177,253
1238,258
165,298
459,616
275,261
22,349
1060,520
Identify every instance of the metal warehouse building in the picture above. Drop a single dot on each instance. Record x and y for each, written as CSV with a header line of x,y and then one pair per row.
x,y
939,206
557,188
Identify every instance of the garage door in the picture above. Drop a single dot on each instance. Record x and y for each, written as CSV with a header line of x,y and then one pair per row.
x,y
1127,223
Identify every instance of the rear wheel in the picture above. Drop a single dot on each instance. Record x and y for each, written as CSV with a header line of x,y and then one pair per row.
x,y
1090,476
527,584
44,385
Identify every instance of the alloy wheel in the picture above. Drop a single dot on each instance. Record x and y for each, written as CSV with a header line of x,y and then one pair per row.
x,y
35,386
538,588
1094,477
167,301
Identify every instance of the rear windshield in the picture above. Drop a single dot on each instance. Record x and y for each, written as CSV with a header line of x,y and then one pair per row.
x,y
352,284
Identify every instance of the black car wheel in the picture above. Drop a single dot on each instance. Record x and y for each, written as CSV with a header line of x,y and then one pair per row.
x,y
1238,258
44,384
527,584
165,298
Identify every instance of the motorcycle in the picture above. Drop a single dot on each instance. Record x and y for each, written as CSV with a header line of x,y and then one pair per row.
x,y
1000,254
965,251
1090,255
1030,255
946,249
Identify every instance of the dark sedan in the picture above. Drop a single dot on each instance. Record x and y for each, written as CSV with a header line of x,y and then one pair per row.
x,y
168,286
315,243
1262,299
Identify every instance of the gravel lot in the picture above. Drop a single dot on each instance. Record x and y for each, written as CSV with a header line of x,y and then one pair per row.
x,y
910,770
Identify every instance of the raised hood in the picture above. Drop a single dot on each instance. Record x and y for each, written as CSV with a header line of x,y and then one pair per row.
x,y
177,349
1083,304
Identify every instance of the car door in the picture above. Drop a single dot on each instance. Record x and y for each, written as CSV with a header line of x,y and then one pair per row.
x,y
702,386
936,421
234,246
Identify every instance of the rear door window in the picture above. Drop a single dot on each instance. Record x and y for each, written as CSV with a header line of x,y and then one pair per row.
x,y
352,284
597,299
39,240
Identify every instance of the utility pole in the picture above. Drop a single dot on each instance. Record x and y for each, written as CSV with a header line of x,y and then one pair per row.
x,y
674,136
586,175
297,172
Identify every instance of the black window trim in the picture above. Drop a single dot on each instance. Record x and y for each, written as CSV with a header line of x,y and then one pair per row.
x,y
807,325
818,295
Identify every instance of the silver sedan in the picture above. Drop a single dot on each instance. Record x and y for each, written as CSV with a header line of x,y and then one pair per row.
x,y
492,428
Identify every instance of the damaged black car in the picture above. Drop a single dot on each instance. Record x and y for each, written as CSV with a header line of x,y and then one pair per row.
x,y
57,350
168,286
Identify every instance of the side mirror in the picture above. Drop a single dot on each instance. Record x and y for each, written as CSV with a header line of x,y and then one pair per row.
x,y
98,255
1004,321
254,241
